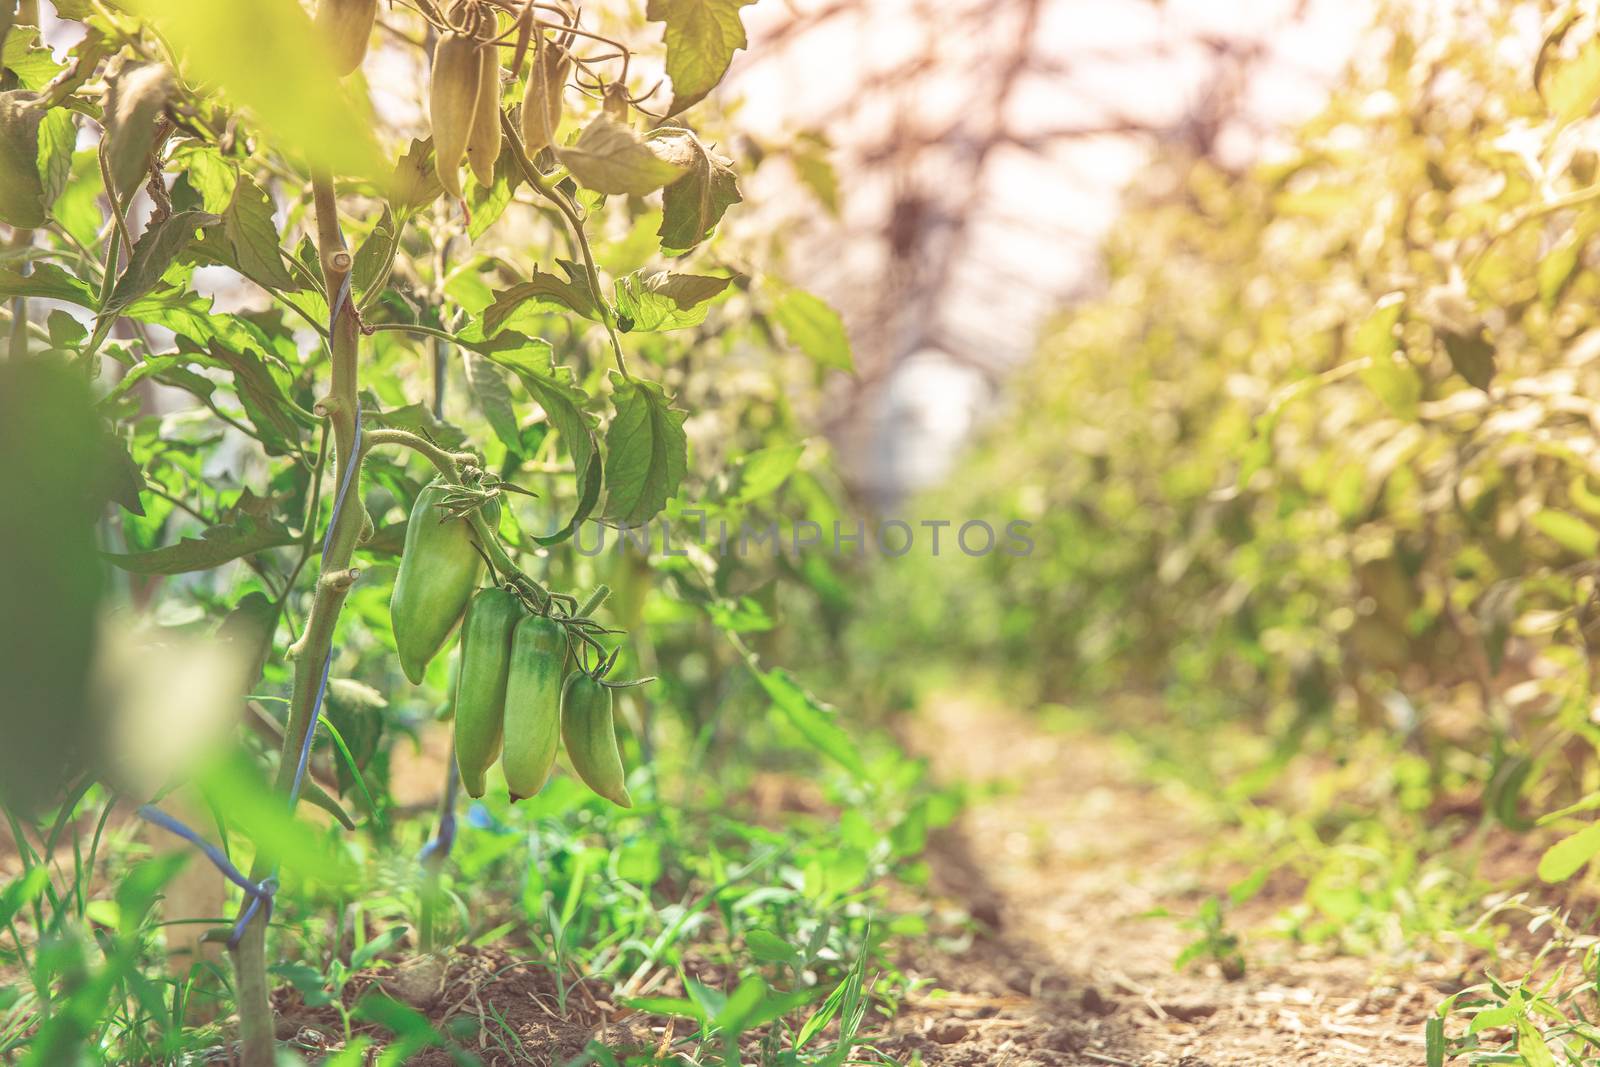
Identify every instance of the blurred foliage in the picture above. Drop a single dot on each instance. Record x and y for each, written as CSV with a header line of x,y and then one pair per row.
x,y
1319,469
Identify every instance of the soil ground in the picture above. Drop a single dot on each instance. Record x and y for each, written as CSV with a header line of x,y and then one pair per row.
x,y
1061,871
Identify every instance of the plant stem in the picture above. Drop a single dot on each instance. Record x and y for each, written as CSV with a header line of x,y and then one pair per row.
x,y
315,643
546,186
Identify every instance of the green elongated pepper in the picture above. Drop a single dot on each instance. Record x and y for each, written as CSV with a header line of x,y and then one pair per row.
x,y
492,617
533,704
439,570
591,737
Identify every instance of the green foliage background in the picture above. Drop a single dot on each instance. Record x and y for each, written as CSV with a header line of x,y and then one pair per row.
x,y
1319,468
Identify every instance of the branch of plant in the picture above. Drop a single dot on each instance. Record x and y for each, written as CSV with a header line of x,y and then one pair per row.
x,y
546,186
315,644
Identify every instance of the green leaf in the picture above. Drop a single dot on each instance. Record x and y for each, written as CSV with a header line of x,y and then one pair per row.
x,y
563,402
809,156
153,253
266,400
701,38
58,135
21,188
761,472
374,259
609,157
541,294
30,60
665,301
1563,859
486,205
646,451
252,237
489,389
208,174
770,948
414,418
1568,531
814,328
415,184
376,947
812,719
245,536
1471,354
692,206
138,95
47,281
266,57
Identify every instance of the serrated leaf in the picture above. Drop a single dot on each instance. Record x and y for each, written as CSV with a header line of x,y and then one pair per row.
x,y
646,451
665,301
153,253
541,294
30,60
609,157
58,135
266,402
701,37
814,328
248,238
220,544
375,258
415,418
137,97
693,205
486,205
47,281
415,184
489,389
208,174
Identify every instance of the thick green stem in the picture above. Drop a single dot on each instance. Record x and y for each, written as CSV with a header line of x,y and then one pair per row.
x,y
314,646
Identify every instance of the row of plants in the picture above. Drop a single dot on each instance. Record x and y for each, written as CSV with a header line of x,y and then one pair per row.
x,y
1318,471
303,407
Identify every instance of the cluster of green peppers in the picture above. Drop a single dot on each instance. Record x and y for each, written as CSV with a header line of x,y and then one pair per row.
x,y
510,700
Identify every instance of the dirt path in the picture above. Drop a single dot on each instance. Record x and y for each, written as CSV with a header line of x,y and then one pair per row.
x,y
1061,868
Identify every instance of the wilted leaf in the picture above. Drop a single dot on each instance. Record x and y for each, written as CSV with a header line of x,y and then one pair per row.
x,y
610,158
692,206
541,294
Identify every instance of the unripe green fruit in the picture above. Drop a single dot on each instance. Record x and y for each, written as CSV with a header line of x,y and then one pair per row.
x,y
492,616
533,704
346,27
439,569
452,105
483,147
591,737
